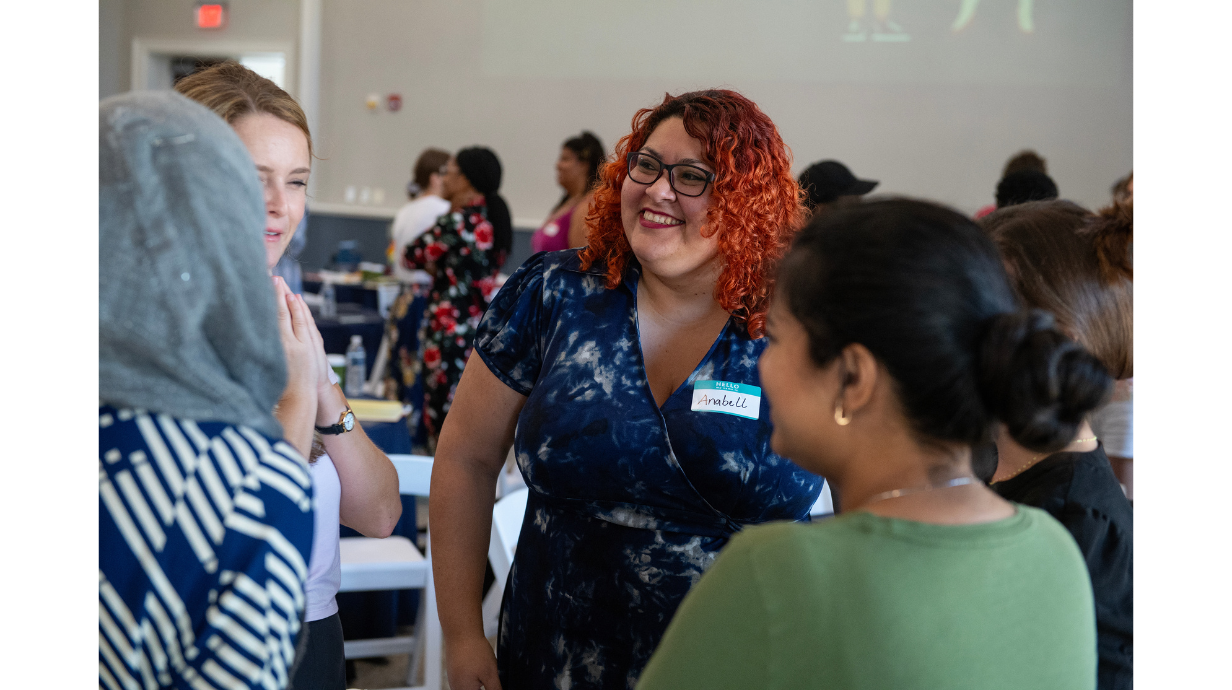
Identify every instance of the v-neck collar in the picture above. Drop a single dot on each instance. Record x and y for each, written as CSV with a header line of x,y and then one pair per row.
x,y
630,283
632,275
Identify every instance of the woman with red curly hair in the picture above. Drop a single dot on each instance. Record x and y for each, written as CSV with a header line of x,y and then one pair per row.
x,y
629,369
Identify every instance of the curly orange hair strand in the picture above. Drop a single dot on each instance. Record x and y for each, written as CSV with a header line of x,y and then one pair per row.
x,y
755,205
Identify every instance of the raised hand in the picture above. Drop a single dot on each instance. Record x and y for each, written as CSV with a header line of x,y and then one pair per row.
x,y
298,406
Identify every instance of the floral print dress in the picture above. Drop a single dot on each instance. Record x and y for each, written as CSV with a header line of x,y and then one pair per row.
x,y
459,251
629,502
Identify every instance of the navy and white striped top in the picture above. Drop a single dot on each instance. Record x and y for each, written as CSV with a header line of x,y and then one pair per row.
x,y
204,533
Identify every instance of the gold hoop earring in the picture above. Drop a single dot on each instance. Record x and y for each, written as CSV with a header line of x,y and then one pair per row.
x,y
838,415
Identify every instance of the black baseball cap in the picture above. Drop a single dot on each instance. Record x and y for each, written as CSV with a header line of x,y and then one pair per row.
x,y
828,180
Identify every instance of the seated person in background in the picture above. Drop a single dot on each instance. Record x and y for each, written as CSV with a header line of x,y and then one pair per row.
x,y
356,484
577,171
205,520
1023,186
1023,160
887,362
1075,264
426,205
829,184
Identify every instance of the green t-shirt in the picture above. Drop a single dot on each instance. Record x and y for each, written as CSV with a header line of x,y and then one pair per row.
x,y
862,601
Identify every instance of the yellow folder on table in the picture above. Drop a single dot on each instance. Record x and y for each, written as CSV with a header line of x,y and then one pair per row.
x,y
376,410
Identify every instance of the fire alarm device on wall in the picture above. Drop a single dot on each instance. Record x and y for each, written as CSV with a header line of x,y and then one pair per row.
x,y
393,102
211,15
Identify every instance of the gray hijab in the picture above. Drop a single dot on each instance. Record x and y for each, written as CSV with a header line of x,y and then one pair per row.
x,y
186,318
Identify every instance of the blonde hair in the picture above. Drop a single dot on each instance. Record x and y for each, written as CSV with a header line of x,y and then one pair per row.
x,y
232,91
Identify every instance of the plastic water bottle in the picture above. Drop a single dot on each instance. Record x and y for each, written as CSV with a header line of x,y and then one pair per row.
x,y
329,302
356,365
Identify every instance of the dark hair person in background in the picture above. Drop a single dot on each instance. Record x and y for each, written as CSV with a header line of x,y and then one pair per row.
x,y
201,501
426,205
463,252
1023,186
612,362
1023,160
1075,264
887,362
829,184
577,170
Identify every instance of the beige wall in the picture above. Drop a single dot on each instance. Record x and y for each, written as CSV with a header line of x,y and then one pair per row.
x,y
120,21
511,75
508,74
112,47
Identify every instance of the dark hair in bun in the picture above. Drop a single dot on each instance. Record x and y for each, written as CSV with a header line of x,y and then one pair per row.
x,y
1038,382
923,288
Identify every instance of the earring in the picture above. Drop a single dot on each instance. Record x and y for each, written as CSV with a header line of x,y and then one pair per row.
x,y
838,415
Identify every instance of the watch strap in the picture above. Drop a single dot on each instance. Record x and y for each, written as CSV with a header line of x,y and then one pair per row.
x,y
335,429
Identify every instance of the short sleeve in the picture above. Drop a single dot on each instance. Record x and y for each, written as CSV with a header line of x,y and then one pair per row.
x,y
1114,425
1107,549
1109,554
510,336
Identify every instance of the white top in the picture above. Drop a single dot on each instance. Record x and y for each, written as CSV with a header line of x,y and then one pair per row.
x,y
325,564
412,221
1114,423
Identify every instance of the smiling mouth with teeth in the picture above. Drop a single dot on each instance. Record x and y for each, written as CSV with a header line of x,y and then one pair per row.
x,y
660,218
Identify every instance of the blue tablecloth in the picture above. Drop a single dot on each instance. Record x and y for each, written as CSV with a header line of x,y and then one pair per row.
x,y
347,294
391,437
352,319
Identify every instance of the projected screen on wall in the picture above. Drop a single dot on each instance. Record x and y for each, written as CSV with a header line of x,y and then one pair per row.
x,y
1062,42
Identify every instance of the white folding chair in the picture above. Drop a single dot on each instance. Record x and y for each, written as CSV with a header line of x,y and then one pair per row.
x,y
506,525
395,563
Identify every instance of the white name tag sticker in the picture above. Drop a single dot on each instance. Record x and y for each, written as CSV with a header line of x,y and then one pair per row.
x,y
728,398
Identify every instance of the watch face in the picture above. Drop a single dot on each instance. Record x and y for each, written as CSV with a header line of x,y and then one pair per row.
x,y
348,422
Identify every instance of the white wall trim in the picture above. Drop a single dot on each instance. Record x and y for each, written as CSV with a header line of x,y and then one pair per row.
x,y
144,47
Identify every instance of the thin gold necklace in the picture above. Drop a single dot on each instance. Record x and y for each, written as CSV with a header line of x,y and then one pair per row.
x,y
959,481
1032,461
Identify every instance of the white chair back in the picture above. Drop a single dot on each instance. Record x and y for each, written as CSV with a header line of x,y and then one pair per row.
x,y
395,563
507,518
414,474
506,526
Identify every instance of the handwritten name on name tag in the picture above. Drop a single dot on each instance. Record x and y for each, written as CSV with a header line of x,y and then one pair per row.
x,y
728,398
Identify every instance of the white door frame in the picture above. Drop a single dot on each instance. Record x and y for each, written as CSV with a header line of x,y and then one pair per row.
x,y
144,47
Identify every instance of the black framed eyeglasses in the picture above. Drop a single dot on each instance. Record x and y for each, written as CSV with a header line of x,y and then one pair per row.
x,y
684,179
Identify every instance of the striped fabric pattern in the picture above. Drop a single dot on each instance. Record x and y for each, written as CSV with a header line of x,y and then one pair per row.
x,y
204,534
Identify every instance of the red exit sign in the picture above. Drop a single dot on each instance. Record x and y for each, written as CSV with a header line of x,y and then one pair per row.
x,y
211,15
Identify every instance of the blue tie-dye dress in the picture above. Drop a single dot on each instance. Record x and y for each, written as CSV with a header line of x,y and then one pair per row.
x,y
629,502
